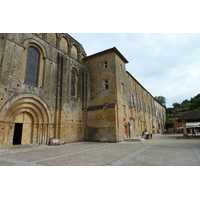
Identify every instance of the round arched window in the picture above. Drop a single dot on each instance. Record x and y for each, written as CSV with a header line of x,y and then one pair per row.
x,y
32,66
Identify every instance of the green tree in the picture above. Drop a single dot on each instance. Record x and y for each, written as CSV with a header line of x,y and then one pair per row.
x,y
176,105
169,111
195,102
192,104
161,100
185,104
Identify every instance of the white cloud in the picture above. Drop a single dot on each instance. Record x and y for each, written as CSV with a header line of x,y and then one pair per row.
x,y
165,64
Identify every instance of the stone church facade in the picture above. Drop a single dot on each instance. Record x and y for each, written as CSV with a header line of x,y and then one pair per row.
x,y
50,88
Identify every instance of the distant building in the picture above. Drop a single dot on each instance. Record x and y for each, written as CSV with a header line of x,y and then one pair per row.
x,y
178,126
50,88
187,120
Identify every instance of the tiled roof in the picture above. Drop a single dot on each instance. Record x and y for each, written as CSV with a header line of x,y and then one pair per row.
x,y
193,116
179,114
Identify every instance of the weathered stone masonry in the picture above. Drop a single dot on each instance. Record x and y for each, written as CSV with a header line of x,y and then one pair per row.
x,y
50,88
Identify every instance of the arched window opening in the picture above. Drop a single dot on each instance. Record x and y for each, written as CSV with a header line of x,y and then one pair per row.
x,y
74,81
32,66
51,38
74,52
64,45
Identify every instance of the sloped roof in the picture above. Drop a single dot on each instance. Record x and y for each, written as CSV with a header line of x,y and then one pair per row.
x,y
193,116
179,114
114,49
181,110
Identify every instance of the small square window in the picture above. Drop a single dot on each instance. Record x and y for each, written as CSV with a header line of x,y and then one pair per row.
x,y
105,64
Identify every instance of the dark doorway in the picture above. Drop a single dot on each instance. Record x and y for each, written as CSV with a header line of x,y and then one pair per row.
x,y
17,138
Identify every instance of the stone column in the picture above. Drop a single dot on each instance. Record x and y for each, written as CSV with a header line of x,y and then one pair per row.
x,y
184,129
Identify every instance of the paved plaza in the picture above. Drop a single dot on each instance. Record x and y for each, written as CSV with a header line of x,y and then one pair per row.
x,y
162,150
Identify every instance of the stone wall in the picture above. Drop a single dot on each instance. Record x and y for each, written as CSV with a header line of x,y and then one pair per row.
x,y
48,109
135,108
75,97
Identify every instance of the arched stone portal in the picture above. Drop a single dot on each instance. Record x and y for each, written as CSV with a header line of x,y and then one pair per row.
x,y
26,121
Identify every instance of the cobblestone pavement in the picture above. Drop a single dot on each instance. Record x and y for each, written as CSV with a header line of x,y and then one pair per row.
x,y
162,150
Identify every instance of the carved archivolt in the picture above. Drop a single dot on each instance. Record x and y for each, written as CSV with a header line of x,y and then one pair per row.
x,y
30,104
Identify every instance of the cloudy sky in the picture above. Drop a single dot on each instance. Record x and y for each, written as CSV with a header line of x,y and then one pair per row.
x,y
160,39
166,64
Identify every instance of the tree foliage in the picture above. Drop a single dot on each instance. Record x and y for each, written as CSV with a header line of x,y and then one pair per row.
x,y
176,105
192,104
161,100
169,111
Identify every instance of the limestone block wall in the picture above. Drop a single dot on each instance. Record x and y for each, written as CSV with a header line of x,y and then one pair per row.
x,y
101,115
123,128
137,109
74,97
101,124
101,68
47,109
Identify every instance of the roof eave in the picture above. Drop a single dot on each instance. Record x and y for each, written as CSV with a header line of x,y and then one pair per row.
x,y
114,49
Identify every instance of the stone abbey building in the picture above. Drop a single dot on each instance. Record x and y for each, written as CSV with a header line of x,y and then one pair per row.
x,y
50,88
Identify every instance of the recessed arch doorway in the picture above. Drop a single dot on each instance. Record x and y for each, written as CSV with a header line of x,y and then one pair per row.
x,y
30,119
23,128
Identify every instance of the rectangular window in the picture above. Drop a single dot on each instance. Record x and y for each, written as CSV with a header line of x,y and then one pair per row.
x,y
149,109
131,100
123,110
139,105
134,102
144,107
121,68
105,84
122,89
